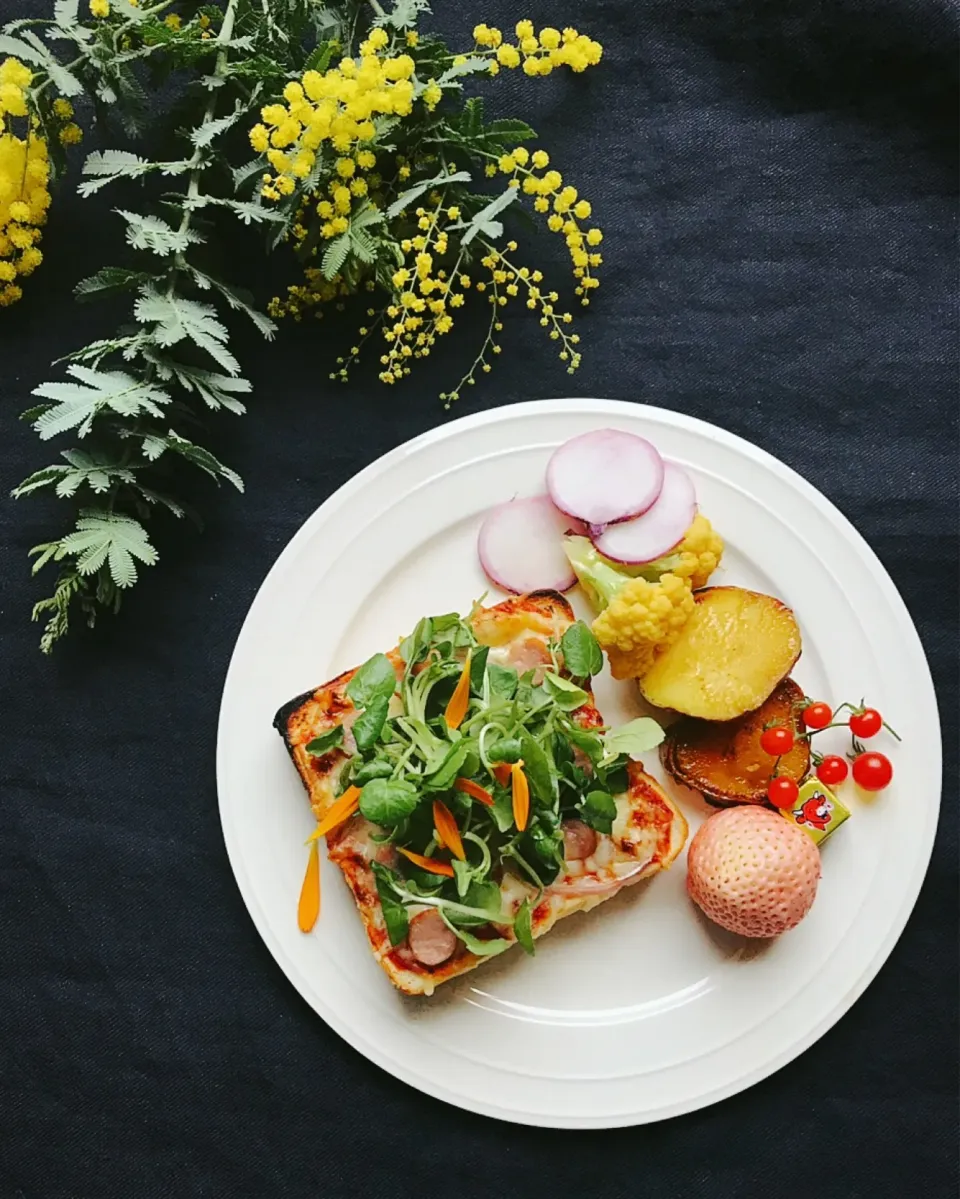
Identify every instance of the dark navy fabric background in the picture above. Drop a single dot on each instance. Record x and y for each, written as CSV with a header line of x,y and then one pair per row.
x,y
777,186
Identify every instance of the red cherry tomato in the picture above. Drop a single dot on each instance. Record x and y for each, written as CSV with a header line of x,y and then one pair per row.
x,y
818,715
776,741
872,771
782,792
832,770
867,723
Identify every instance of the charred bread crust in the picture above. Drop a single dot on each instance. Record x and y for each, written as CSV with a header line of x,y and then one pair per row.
x,y
285,712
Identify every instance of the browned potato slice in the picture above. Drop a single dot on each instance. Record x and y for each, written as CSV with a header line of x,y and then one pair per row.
x,y
725,761
730,655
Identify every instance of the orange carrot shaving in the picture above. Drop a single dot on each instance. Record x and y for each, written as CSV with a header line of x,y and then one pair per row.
x,y
501,772
309,907
342,810
431,865
447,832
459,701
521,795
475,791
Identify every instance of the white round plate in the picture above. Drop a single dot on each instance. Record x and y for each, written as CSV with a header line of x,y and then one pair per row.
x,y
640,1009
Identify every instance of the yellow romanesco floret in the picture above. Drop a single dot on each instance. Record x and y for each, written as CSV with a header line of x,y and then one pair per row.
x,y
698,554
641,619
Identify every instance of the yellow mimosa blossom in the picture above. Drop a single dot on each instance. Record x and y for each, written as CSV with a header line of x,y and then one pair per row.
x,y
24,173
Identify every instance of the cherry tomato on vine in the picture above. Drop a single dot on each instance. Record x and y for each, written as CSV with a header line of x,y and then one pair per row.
x,y
776,741
817,715
867,723
782,792
872,771
832,770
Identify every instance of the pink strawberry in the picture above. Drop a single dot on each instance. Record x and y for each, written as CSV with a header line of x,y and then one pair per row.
x,y
752,872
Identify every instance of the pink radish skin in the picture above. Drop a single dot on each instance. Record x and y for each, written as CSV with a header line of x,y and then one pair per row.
x,y
520,546
659,529
605,476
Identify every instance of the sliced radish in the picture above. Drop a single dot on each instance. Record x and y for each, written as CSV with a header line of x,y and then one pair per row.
x,y
605,476
521,547
659,529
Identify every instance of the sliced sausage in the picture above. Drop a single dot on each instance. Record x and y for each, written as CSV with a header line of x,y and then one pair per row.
x,y
579,840
431,942
527,654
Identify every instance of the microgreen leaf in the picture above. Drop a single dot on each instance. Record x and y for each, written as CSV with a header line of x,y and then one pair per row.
x,y
568,696
394,913
376,677
582,656
387,801
378,768
506,750
326,741
539,769
476,945
369,724
585,739
503,680
413,648
478,665
502,810
523,928
634,738
599,810
462,876
546,837
446,772
614,776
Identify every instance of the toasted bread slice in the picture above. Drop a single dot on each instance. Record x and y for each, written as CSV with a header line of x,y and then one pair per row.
x,y
648,832
728,657
725,761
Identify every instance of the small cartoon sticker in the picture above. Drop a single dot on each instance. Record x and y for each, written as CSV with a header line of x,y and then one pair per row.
x,y
817,810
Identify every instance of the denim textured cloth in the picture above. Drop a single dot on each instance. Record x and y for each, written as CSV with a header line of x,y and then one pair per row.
x,y
777,186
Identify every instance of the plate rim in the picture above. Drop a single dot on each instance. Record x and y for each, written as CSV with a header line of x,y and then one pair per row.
x,y
880,576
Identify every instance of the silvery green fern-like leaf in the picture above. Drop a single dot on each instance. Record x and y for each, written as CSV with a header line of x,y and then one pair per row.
x,y
216,390
154,445
205,133
236,299
30,49
483,222
78,404
471,66
363,246
366,216
65,13
109,165
65,82
203,459
165,501
244,210
107,537
152,233
335,255
405,199
109,279
95,470
177,318
403,15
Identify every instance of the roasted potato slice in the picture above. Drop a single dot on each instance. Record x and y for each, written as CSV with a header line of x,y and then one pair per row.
x,y
725,761
729,656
